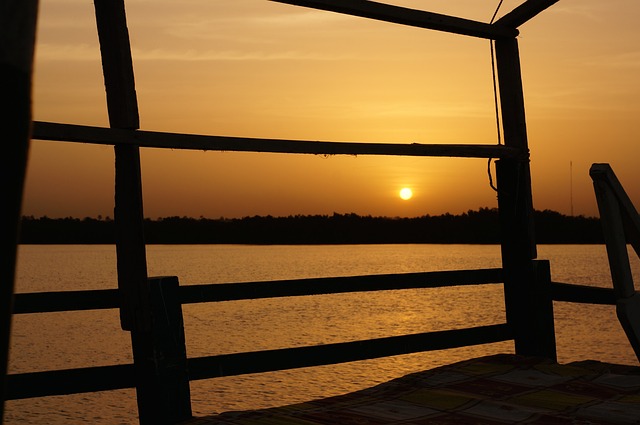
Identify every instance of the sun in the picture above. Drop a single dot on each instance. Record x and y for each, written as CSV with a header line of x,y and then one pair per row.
x,y
406,193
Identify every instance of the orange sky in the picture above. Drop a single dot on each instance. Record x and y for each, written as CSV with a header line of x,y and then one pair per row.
x,y
262,69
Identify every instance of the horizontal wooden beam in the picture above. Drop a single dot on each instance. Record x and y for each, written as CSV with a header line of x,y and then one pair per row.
x,y
582,294
411,17
115,377
154,139
70,381
49,302
335,285
292,358
524,12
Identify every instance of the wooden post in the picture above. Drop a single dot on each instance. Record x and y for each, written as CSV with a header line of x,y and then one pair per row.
x,y
161,366
162,387
17,37
122,106
620,224
615,239
541,309
533,331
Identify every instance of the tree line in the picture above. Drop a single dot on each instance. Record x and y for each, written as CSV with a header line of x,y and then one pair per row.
x,y
473,227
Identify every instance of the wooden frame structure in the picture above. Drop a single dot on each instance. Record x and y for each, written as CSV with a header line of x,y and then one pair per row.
x,y
160,371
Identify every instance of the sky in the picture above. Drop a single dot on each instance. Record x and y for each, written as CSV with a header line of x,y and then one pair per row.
x,y
256,68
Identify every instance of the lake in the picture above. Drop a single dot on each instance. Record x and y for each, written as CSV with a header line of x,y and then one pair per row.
x,y
76,339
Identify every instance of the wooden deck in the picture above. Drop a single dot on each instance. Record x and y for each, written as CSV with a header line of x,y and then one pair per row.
x,y
500,389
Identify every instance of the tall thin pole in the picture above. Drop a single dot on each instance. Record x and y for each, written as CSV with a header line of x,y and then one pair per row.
x,y
571,186
17,37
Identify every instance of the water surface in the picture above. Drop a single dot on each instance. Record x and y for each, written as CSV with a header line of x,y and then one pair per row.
x,y
77,339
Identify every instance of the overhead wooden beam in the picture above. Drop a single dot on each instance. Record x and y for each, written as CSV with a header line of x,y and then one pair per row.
x,y
410,17
154,139
524,13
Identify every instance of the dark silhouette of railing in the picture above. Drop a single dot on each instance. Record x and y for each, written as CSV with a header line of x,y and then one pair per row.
x,y
167,298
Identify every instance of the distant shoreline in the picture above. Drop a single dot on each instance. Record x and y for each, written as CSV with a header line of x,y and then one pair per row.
x,y
472,227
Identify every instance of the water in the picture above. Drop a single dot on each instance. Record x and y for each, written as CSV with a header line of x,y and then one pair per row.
x,y
77,339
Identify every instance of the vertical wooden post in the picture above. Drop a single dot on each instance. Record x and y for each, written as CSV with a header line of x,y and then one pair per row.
x,y
614,237
17,41
533,331
620,225
161,365
162,385
122,107
541,310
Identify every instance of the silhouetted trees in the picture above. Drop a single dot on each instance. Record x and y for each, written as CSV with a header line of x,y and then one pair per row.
x,y
473,227
69,230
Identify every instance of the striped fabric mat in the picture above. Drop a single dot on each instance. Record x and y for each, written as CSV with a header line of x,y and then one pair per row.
x,y
501,389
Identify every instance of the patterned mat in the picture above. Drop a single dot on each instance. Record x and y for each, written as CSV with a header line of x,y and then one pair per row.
x,y
489,390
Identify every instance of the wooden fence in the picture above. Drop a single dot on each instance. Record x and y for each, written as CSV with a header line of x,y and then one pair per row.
x,y
171,371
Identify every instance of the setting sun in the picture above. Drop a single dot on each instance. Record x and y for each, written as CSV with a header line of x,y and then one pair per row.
x,y
406,193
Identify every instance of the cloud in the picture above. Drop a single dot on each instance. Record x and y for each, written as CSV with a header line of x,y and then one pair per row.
x,y
241,26
425,109
85,52
623,60
590,12
302,19
194,55
48,52
67,52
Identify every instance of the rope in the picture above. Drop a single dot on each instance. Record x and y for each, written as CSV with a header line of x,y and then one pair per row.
x,y
490,176
495,91
496,12
495,96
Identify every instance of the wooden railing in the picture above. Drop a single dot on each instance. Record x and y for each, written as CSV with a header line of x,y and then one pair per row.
x,y
167,297
582,294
